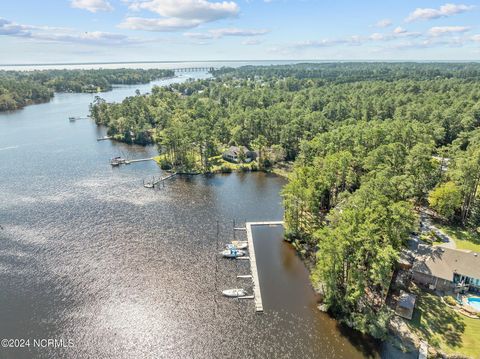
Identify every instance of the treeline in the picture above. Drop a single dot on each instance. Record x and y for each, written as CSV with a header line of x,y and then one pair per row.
x,y
286,111
356,71
370,142
350,202
16,93
20,88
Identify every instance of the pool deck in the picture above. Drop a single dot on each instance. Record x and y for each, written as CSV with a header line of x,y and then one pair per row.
x,y
253,262
474,307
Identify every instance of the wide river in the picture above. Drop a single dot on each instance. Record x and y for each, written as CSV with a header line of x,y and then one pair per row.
x,y
90,257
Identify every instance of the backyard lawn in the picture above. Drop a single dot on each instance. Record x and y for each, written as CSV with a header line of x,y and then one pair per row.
x,y
463,239
444,328
218,164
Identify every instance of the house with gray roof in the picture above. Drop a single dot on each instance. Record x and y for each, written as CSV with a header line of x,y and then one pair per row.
x,y
447,269
235,153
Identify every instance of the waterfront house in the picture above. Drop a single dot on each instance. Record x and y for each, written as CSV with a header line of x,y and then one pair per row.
x,y
445,269
234,154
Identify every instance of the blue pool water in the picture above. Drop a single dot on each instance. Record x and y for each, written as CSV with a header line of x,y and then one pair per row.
x,y
474,302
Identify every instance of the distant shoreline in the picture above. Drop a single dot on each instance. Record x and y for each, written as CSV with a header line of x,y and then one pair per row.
x,y
231,61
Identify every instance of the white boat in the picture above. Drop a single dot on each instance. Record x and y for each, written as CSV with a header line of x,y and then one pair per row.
x,y
116,161
234,293
240,244
233,253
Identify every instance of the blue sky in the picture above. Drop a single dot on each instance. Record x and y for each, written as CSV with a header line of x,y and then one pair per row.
x,y
33,31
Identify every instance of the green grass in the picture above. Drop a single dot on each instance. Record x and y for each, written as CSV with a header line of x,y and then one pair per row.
x,y
444,328
464,239
219,164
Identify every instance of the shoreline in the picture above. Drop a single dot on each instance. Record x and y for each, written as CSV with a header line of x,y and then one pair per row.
x,y
54,93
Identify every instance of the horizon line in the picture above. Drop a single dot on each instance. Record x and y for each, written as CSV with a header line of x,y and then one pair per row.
x,y
227,61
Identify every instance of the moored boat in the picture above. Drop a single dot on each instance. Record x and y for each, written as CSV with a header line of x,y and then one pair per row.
x,y
233,253
239,244
234,293
116,161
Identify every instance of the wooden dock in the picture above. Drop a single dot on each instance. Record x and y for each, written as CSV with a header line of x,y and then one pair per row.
x,y
253,262
156,182
138,160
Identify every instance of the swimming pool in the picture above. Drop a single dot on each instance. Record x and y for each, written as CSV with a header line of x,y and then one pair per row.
x,y
474,302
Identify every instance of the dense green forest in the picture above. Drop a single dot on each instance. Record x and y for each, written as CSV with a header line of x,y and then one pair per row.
x,y
21,88
352,72
370,142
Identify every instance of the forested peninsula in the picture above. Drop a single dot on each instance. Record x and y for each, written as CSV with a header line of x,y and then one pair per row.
x,y
370,142
21,88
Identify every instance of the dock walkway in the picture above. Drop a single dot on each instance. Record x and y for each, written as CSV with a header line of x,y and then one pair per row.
x,y
157,181
139,160
253,262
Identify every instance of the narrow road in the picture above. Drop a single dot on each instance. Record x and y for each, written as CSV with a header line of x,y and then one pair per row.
x,y
427,226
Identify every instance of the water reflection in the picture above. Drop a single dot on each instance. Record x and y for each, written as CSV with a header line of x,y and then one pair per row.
x,y
89,254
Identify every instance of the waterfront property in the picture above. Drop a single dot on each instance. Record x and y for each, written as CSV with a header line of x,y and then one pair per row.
x,y
235,154
446,269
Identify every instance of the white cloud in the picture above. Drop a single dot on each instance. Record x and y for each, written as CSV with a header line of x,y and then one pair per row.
x,y
476,38
353,40
177,15
56,34
401,32
384,23
219,33
377,37
161,25
92,5
202,10
447,30
251,42
444,11
89,38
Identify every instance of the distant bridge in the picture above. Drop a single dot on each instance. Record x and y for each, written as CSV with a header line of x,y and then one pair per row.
x,y
195,69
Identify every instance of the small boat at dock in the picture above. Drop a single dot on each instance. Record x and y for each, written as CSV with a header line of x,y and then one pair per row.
x,y
72,119
234,293
233,253
117,161
238,245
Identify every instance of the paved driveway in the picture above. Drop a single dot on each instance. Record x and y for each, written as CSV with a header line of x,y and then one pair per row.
x,y
427,226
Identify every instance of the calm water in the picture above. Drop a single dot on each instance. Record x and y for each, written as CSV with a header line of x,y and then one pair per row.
x,y
89,255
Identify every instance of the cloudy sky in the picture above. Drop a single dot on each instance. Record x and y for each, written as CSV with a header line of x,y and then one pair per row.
x,y
34,31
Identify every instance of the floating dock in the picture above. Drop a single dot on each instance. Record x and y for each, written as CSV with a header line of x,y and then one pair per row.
x,y
253,262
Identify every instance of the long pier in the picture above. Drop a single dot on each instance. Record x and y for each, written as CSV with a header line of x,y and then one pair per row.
x,y
253,262
138,160
195,69
155,182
